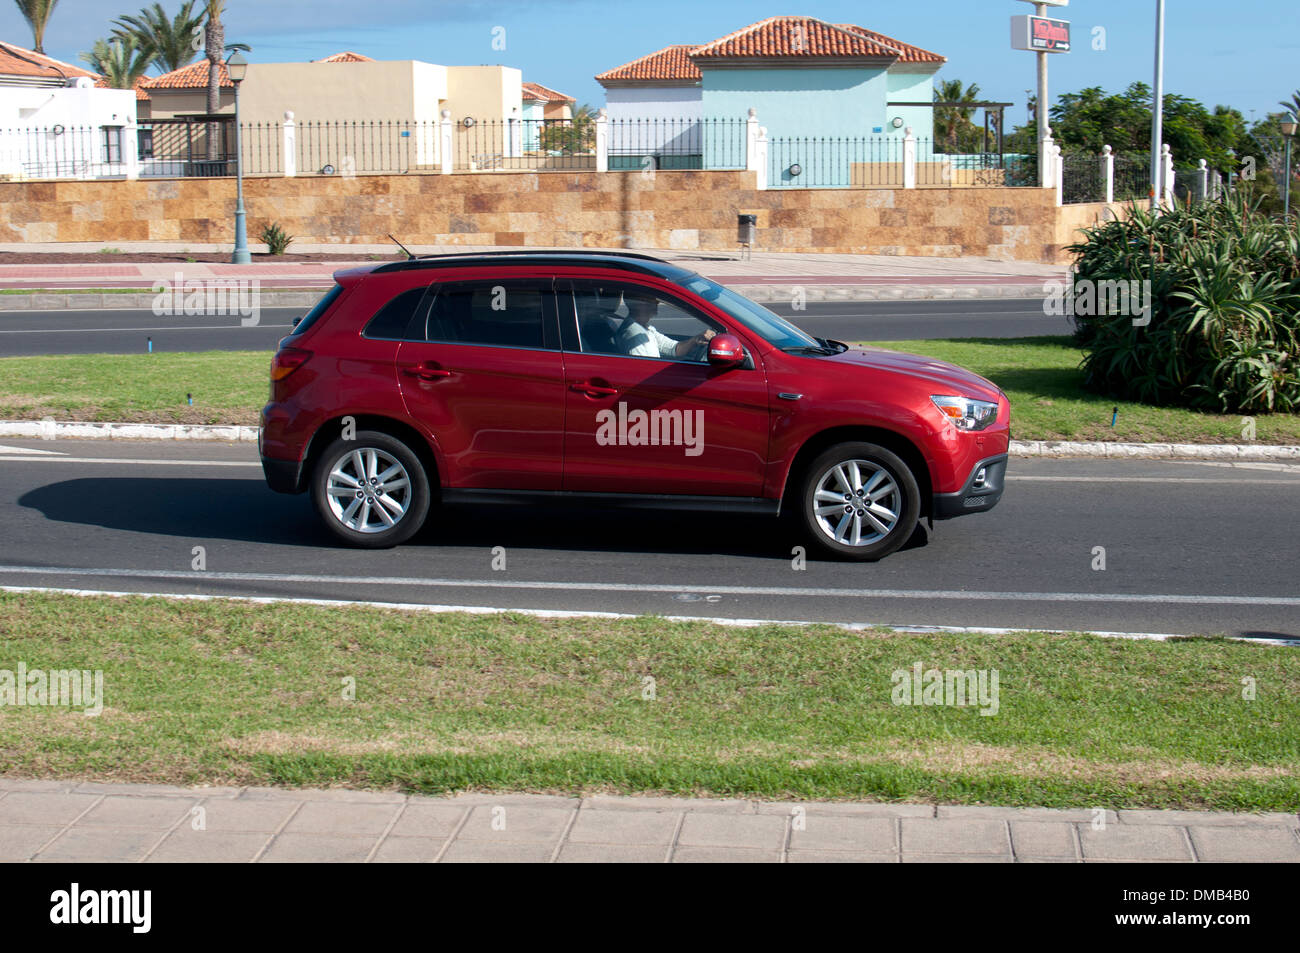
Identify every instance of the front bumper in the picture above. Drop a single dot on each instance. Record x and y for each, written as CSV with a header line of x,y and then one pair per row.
x,y
971,498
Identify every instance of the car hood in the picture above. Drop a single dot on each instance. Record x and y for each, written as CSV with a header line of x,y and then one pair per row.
x,y
947,378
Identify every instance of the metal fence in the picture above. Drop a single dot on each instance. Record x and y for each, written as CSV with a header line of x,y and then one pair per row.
x,y
1083,178
1132,178
64,152
872,162
660,143
181,148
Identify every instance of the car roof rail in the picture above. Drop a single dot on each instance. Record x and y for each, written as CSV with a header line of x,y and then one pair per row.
x,y
540,254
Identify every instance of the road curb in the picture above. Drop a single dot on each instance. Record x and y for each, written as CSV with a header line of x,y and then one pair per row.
x,y
1154,451
58,430
136,301
144,301
230,433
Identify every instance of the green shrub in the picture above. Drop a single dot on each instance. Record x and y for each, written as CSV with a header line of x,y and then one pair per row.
x,y
276,238
1225,308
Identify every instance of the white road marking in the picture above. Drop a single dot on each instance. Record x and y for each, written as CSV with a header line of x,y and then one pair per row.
x,y
24,455
574,614
121,461
28,452
641,589
188,327
1012,477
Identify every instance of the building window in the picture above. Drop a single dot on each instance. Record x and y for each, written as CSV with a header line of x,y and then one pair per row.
x,y
112,144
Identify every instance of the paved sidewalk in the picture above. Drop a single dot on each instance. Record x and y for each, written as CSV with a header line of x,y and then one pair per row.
x,y
767,276
51,821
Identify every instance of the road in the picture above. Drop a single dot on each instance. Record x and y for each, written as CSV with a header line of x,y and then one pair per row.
x,y
1189,548
128,332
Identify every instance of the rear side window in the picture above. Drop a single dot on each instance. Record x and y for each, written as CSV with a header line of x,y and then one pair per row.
x,y
315,313
392,321
518,314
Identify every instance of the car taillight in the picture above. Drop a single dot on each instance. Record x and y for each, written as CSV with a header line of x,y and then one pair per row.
x,y
286,361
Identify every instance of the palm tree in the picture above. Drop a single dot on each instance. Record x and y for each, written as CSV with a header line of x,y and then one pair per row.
x,y
37,14
1293,106
950,122
214,45
120,61
170,40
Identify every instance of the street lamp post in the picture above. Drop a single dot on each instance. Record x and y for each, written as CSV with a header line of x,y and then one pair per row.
x,y
1288,130
1158,110
237,69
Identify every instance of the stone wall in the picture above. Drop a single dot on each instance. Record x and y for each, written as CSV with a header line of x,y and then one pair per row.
x,y
681,210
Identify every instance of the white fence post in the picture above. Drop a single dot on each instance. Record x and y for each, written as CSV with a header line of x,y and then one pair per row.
x,y
1058,168
446,144
130,148
602,141
909,159
751,141
1203,181
1167,163
759,158
1108,157
290,145
1046,153
1046,156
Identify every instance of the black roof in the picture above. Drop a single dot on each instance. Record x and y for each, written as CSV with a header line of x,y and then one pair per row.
x,y
626,261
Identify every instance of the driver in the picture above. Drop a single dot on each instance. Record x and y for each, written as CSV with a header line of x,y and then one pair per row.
x,y
637,337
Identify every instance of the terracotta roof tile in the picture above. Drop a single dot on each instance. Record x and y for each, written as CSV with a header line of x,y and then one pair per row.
x,y
194,76
346,57
672,63
910,54
141,94
17,61
796,38
544,94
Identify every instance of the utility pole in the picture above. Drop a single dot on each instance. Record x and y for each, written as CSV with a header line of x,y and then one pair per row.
x,y
1158,110
1044,111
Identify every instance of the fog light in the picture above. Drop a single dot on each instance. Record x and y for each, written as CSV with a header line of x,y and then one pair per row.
x,y
980,477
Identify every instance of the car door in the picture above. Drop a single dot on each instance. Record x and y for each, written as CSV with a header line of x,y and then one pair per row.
x,y
642,419
483,371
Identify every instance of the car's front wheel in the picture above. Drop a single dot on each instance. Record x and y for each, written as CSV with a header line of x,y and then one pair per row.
x,y
859,501
371,491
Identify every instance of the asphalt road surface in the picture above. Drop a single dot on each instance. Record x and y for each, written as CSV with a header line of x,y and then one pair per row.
x,y
1190,548
128,332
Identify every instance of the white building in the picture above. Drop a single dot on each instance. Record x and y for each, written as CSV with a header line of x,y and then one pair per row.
x,y
55,122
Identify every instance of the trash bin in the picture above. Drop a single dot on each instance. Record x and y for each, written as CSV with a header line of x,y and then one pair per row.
x,y
746,228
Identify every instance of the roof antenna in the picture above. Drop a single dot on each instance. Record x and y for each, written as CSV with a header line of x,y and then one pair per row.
x,y
410,255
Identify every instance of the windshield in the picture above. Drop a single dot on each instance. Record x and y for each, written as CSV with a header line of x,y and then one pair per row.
x,y
770,327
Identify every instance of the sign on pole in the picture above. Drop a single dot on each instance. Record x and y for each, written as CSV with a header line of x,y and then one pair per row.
x,y
1040,34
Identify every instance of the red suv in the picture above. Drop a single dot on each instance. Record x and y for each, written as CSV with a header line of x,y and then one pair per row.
x,y
613,379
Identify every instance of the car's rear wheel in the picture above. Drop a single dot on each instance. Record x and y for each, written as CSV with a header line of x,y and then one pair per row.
x,y
371,491
859,501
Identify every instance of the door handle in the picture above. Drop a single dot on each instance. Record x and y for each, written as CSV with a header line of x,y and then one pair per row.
x,y
593,390
426,373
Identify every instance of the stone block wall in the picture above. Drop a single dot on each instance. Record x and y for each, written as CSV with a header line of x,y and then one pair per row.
x,y
689,210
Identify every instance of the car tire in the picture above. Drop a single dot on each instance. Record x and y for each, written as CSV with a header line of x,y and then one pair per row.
x,y
388,510
877,502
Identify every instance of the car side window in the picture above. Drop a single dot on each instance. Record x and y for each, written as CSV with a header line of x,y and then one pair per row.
x,y
630,320
393,321
508,313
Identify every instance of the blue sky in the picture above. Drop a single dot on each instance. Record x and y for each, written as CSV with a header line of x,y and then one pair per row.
x,y
1244,53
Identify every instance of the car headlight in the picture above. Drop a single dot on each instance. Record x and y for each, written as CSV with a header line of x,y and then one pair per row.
x,y
967,414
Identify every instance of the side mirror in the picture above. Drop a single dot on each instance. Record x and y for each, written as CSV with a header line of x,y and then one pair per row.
x,y
296,322
725,350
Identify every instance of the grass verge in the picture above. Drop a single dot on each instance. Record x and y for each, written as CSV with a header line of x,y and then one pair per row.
x,y
230,693
1041,376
